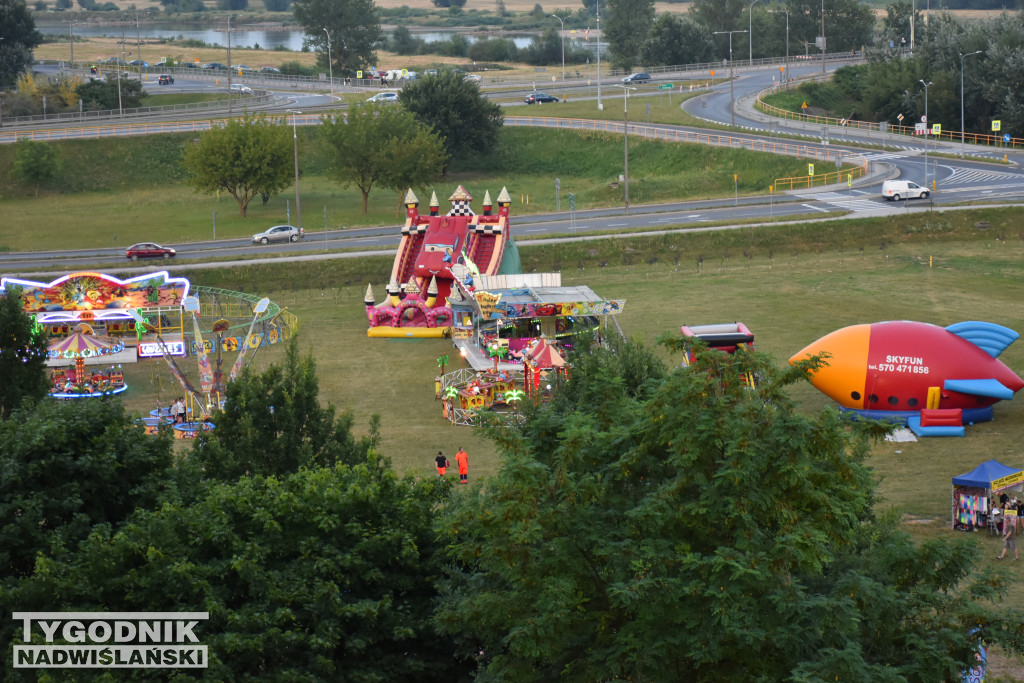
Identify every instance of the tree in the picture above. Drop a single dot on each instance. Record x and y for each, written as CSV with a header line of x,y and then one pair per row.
x,y
354,27
382,145
245,157
69,466
629,23
35,163
273,424
100,95
655,525
403,42
324,574
18,35
22,353
455,109
674,40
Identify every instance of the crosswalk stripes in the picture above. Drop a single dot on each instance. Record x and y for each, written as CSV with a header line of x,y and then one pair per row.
x,y
843,201
967,175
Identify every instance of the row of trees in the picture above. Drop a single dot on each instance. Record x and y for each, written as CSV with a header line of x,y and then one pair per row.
x,y
386,146
646,524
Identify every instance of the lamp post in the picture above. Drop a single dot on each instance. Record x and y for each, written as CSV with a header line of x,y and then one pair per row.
x,y
925,129
330,66
822,36
600,106
750,34
787,51
625,136
72,23
732,96
295,138
563,49
962,55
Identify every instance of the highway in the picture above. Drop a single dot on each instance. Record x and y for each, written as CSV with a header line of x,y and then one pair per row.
x,y
980,177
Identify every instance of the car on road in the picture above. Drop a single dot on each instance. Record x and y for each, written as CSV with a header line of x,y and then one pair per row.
x,y
215,65
269,70
903,189
476,78
384,97
165,79
279,233
539,98
138,62
430,72
639,77
240,87
240,67
148,250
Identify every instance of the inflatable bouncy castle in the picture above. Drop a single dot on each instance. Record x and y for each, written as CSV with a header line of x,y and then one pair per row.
x,y
432,246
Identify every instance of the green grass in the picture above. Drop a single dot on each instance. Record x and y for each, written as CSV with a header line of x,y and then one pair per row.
x,y
169,99
141,193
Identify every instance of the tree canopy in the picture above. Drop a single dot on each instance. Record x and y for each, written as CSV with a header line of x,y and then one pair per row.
x,y
22,352
101,95
675,40
35,163
629,23
354,28
382,145
455,109
655,525
244,157
18,36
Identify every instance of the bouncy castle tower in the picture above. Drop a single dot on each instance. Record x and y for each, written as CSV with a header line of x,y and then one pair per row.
x,y
432,246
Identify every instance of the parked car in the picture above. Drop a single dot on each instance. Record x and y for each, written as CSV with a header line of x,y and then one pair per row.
x,y
384,97
215,65
476,78
279,233
148,250
240,88
903,189
637,78
539,97
430,72
269,70
138,62
240,67
165,79
113,60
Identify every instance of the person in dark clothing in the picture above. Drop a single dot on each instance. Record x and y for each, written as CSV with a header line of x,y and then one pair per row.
x,y
442,464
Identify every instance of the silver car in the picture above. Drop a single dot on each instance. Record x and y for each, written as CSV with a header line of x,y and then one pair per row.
x,y
279,233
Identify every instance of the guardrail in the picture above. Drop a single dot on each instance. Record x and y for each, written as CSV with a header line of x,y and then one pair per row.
x,y
850,164
875,126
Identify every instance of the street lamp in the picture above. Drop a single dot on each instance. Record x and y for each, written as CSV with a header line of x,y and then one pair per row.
x,y
330,67
600,107
926,124
822,36
625,136
750,34
962,55
563,49
732,96
295,138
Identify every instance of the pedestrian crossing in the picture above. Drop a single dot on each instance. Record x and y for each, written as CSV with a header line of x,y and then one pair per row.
x,y
843,201
963,176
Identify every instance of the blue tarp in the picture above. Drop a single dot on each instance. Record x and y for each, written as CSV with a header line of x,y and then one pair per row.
x,y
984,474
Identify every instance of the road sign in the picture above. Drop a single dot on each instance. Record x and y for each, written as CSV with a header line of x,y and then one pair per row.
x,y
1006,137
899,117
924,119
996,125
572,202
803,106
936,129
359,74
810,169
667,86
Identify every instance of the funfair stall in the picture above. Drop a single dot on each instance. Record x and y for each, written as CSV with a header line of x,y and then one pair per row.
x,y
973,491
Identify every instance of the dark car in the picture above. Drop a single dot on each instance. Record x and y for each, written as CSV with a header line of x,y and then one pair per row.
x,y
215,65
637,78
165,79
539,97
148,250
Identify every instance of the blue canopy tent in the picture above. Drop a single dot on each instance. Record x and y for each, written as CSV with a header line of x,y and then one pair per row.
x,y
971,491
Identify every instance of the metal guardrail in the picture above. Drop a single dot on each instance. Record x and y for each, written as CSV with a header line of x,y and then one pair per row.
x,y
875,126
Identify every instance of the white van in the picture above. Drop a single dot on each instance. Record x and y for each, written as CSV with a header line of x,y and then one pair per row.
x,y
903,189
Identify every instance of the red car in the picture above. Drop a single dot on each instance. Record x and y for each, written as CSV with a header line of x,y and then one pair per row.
x,y
148,250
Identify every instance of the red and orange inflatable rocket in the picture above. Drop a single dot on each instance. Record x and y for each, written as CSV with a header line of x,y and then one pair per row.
x,y
897,368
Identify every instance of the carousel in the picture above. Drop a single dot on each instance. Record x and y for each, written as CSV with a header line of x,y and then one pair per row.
x,y
75,380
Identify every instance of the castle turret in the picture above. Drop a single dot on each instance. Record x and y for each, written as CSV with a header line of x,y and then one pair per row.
x,y
394,293
504,202
432,292
368,302
487,203
435,205
411,203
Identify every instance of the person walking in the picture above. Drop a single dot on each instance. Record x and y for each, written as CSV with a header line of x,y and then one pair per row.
x,y
1009,541
463,459
442,464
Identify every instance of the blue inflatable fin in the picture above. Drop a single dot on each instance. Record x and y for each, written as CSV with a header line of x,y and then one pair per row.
x,y
991,338
992,388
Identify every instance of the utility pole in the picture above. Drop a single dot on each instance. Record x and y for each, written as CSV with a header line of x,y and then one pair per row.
x,y
600,107
732,94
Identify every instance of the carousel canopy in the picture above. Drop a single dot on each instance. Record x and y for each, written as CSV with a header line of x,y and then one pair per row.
x,y
80,345
543,355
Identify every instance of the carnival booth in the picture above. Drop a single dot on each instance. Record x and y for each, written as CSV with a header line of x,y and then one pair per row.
x,y
973,491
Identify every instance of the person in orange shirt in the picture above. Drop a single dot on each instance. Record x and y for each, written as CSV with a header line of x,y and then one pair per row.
x,y
463,459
